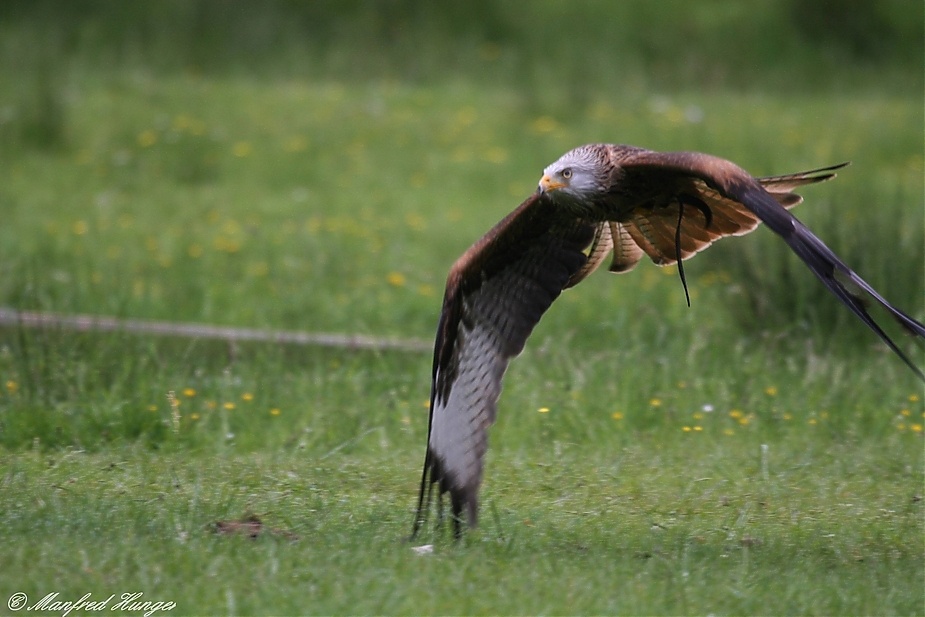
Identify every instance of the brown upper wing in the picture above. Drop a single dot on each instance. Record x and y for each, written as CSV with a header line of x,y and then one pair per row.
x,y
708,214
712,198
651,228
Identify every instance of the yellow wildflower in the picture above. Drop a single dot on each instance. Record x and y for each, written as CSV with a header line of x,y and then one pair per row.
x,y
544,124
147,138
495,154
297,143
242,149
396,279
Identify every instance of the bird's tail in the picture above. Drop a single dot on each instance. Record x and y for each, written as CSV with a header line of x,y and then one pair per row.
x,y
781,187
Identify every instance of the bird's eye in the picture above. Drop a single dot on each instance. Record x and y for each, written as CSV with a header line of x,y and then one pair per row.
x,y
566,173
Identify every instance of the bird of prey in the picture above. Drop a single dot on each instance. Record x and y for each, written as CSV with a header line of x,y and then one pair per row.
x,y
595,200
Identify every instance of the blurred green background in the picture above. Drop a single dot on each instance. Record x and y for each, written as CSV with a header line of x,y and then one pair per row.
x,y
382,98
319,165
581,50
550,55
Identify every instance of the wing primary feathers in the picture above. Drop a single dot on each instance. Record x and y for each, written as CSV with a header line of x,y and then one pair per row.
x,y
424,497
828,268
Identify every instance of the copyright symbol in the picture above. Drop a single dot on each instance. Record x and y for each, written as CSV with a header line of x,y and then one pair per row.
x,y
17,601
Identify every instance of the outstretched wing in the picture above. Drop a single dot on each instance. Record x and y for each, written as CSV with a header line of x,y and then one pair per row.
x,y
686,200
495,295
653,229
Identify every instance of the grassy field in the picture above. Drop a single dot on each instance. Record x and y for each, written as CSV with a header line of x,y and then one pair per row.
x,y
757,453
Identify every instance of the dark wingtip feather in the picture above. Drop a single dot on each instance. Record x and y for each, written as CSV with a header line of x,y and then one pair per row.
x,y
832,271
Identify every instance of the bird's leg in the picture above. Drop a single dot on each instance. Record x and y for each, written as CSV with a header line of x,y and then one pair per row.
x,y
440,508
690,200
677,246
457,508
695,202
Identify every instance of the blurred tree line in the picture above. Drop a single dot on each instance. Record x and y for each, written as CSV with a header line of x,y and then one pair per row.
x,y
679,42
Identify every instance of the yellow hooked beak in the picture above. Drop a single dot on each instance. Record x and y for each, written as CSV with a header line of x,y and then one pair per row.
x,y
547,184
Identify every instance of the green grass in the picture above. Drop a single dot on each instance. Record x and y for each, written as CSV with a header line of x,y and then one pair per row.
x,y
758,453
662,523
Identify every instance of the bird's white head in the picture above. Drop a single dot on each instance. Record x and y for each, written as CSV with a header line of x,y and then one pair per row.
x,y
576,175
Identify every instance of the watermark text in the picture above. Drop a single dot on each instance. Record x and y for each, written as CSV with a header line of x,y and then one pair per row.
x,y
129,602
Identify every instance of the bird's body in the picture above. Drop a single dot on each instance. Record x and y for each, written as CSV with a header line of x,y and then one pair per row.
x,y
595,200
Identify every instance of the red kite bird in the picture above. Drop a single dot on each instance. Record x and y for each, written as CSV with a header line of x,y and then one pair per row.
x,y
596,199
